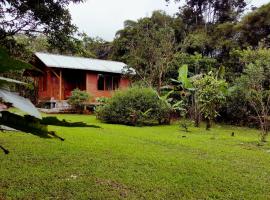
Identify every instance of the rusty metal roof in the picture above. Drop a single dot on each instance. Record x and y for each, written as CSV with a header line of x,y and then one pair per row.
x,y
73,62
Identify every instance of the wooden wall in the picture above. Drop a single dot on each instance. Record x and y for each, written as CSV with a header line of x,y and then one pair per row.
x,y
49,84
91,85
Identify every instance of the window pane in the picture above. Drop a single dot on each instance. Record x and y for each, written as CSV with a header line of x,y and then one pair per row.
x,y
100,83
116,81
108,83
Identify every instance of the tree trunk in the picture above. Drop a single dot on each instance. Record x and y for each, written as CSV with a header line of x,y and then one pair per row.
x,y
197,119
263,136
208,124
159,83
196,113
264,133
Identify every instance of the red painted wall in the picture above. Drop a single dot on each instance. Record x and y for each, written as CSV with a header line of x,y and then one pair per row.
x,y
91,86
49,84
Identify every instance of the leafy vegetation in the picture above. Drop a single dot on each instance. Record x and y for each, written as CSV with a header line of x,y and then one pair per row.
x,y
51,18
210,95
134,106
78,99
257,93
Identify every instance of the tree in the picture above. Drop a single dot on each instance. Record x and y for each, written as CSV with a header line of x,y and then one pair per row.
x,y
210,94
255,27
197,63
258,96
197,41
83,46
30,17
254,84
147,45
211,11
100,48
156,56
183,88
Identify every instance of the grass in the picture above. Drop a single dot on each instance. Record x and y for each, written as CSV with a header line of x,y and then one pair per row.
x,y
122,162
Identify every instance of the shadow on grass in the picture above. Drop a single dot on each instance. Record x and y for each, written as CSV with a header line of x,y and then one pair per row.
x,y
54,121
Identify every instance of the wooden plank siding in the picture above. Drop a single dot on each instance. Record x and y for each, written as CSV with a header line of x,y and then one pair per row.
x,y
57,84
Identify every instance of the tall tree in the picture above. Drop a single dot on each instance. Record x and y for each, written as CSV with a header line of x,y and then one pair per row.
x,y
147,45
31,17
210,95
200,12
255,27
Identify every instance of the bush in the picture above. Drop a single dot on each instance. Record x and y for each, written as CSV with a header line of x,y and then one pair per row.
x,y
78,99
134,106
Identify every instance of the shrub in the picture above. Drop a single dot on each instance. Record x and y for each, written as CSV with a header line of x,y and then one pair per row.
x,y
134,106
102,100
210,95
78,99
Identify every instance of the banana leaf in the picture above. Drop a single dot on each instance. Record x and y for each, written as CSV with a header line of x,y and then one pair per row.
x,y
19,102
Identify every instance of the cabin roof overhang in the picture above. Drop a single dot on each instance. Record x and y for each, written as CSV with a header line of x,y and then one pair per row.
x,y
80,63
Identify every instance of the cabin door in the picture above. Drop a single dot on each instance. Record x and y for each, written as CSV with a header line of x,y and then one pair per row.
x,y
73,79
55,86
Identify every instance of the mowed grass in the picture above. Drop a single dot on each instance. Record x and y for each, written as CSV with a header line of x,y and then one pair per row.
x,y
122,162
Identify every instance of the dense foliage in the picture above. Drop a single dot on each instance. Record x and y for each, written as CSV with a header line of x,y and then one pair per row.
x,y
254,86
210,95
31,17
134,106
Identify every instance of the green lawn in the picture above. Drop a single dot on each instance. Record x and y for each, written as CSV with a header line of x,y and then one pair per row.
x,y
118,162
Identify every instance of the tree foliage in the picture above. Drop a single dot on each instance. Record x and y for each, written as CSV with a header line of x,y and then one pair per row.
x,y
30,17
254,85
147,45
211,11
255,27
210,94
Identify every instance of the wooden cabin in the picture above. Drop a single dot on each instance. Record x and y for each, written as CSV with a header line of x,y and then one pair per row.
x,y
59,75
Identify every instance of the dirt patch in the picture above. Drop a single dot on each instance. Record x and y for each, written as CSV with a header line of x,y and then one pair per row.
x,y
122,189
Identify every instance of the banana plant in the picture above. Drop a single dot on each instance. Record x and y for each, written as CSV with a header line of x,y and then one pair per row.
x,y
183,82
176,106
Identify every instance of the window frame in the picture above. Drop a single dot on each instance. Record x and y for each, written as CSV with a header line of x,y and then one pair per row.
x,y
114,82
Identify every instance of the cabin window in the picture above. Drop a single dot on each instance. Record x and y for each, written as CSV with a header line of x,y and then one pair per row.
x,y
108,82
116,82
100,83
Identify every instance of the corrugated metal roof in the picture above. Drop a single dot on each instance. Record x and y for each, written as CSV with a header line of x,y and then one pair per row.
x,y
72,62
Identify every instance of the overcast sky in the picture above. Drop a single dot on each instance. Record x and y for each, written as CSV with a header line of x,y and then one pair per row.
x,y
104,17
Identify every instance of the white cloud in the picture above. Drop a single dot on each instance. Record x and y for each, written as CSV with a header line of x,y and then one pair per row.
x,y
104,17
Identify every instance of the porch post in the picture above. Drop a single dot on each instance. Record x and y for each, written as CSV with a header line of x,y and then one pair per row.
x,y
60,85
86,82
